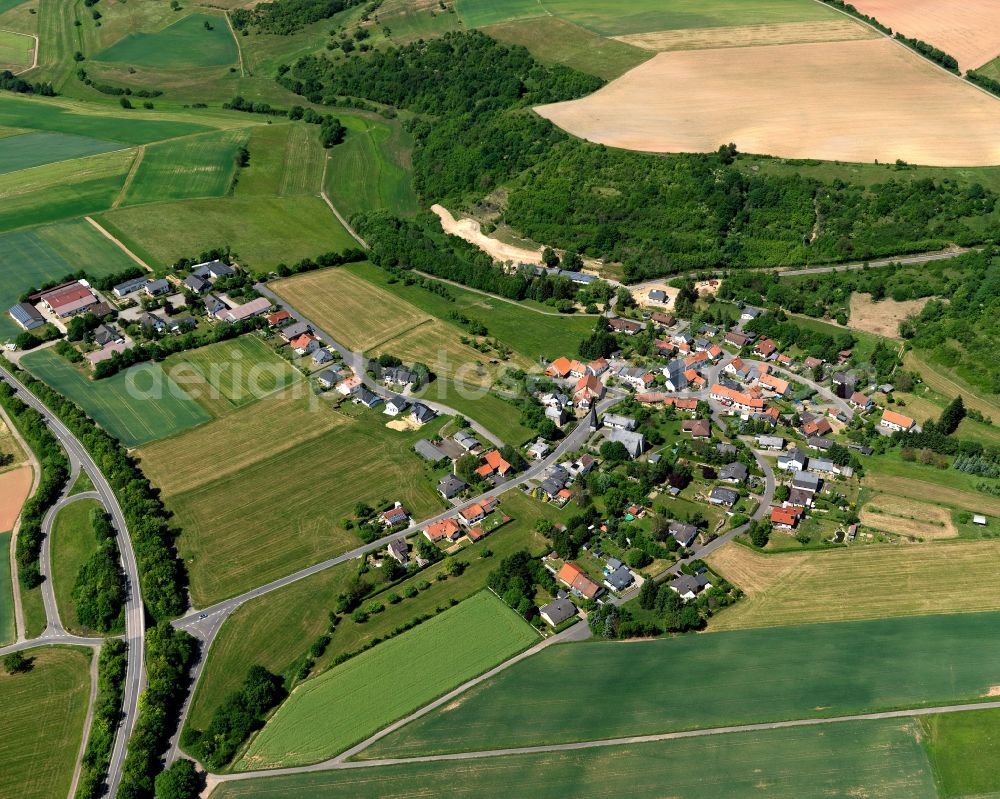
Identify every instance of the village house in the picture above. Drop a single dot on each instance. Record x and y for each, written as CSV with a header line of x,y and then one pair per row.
x,y
698,428
256,307
615,421
765,348
663,319
619,578
587,390
794,460
399,551
557,612
122,290
815,425
322,356
626,326
578,582
154,288
774,384
421,414
675,376
294,330
896,422
771,442
107,334
598,367
305,344
395,515
737,339
734,473
279,318
634,443
683,534
688,586
365,397
196,284
466,440
785,518
350,385
538,450
444,530
860,402
493,464
452,485
328,377
398,375
736,400
395,406
639,379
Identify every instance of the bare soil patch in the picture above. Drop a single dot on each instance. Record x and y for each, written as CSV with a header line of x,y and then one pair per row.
x,y
14,488
750,35
883,317
402,425
908,517
470,231
968,30
855,101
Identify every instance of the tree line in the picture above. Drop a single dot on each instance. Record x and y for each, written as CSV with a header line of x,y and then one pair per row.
x,y
54,473
162,576
99,588
111,665
284,17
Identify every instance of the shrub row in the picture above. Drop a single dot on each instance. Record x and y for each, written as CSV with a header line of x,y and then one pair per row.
x,y
55,471
107,713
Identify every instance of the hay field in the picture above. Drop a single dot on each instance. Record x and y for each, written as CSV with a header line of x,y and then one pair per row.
x,y
964,749
355,312
282,511
284,160
836,30
136,406
15,49
969,30
594,690
881,759
946,382
73,544
883,317
847,101
43,714
325,715
185,44
276,424
932,491
196,166
908,517
857,583
37,148
7,631
14,487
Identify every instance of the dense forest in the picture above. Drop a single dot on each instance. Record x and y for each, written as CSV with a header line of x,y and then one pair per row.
x,y
287,16
658,215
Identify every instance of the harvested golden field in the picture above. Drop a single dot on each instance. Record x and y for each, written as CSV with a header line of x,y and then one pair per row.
x,y
857,583
750,35
848,101
358,314
968,30
972,501
237,440
14,487
908,517
883,317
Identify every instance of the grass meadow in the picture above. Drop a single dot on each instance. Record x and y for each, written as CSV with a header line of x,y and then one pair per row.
x,y
130,415
195,166
80,120
7,629
496,414
371,168
263,231
285,160
73,542
186,43
880,758
327,714
29,258
44,711
15,49
36,149
275,504
964,750
890,474
277,629
738,677
897,580
33,607
63,190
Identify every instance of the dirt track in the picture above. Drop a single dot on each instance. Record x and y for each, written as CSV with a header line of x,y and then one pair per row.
x,y
968,30
469,230
750,35
854,101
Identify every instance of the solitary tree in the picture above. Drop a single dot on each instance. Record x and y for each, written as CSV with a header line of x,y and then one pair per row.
x,y
16,663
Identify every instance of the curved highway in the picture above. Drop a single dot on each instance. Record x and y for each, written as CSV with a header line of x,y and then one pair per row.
x,y
134,616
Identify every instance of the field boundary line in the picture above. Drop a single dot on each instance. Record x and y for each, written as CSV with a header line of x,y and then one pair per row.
x,y
118,243
340,218
239,50
339,765
497,297
401,333
34,50
130,177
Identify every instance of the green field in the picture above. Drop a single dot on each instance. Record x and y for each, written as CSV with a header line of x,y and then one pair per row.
x,y
73,542
496,414
7,629
370,170
231,374
33,607
351,701
295,468
29,258
15,49
278,628
964,750
863,759
7,5
35,149
185,44
644,16
555,41
137,128
263,231
139,405
738,677
63,190
187,168
284,160
42,726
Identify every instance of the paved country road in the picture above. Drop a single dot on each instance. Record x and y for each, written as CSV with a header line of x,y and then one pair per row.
x,y
134,615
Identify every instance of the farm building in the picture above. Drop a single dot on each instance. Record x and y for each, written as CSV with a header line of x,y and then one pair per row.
x,y
122,290
248,310
896,422
26,315
69,301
